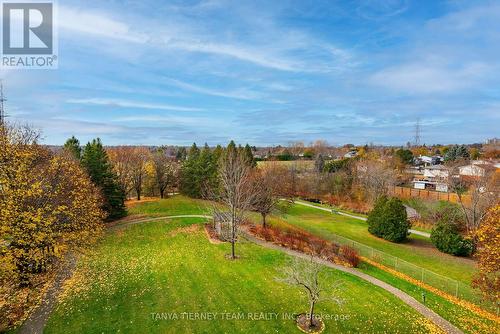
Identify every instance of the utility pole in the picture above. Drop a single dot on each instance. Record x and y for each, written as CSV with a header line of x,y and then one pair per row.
x,y
2,106
417,133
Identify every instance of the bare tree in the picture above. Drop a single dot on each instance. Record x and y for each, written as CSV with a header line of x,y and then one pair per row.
x,y
483,190
139,158
296,147
306,274
375,177
236,192
320,146
272,183
165,171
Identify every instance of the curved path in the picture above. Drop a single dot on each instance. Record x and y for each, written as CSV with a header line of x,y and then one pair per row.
x,y
423,234
444,324
37,320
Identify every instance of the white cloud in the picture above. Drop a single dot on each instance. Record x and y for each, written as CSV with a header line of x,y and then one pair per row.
x,y
254,56
130,104
430,78
97,24
181,36
194,121
242,94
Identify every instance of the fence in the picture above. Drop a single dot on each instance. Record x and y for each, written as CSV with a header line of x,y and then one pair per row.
x,y
404,192
453,287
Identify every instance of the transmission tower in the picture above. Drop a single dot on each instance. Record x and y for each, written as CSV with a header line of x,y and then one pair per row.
x,y
417,133
2,107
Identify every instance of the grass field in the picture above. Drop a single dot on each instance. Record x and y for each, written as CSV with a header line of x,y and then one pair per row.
x,y
169,267
462,317
418,250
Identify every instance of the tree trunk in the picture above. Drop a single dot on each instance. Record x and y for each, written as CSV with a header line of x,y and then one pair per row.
x,y
233,233
311,314
161,193
263,220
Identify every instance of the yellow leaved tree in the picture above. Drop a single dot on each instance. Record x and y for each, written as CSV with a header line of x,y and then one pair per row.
x,y
48,205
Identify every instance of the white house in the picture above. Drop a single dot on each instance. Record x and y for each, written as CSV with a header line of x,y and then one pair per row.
x,y
437,171
430,185
476,169
433,178
428,161
350,154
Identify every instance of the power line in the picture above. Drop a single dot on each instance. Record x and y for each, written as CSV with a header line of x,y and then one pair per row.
x,y
2,106
417,132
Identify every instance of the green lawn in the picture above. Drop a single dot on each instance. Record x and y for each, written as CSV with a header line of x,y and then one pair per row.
x,y
162,268
461,317
418,250
175,205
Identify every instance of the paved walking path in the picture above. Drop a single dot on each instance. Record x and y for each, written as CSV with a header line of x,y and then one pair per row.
x,y
37,320
444,324
424,234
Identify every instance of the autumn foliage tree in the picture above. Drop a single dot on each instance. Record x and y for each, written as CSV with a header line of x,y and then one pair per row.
x,y
165,171
47,205
121,159
139,157
488,255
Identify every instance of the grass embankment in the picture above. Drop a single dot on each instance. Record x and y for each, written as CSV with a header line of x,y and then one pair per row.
x,y
418,250
164,268
462,317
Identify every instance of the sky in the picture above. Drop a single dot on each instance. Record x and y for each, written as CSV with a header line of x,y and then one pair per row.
x,y
266,72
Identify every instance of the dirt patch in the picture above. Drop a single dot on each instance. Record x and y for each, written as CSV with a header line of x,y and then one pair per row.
x,y
133,202
318,326
186,229
211,235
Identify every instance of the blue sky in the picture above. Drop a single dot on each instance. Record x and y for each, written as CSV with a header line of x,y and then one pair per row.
x,y
267,72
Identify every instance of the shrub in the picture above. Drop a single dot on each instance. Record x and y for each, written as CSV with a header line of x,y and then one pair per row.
x,y
388,220
447,238
306,243
350,255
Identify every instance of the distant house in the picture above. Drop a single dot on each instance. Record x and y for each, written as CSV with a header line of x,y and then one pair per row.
x,y
428,161
434,178
430,185
350,154
476,169
436,171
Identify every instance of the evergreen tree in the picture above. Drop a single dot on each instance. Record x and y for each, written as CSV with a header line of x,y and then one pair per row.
x,y
405,156
181,154
207,169
231,148
389,220
72,146
456,152
247,151
189,183
95,160
217,154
